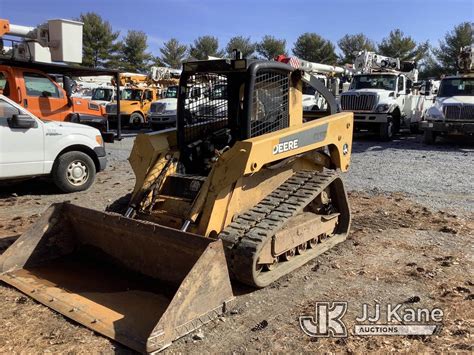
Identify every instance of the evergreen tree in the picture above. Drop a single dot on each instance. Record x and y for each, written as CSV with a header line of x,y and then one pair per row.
x,y
173,53
312,47
98,42
270,47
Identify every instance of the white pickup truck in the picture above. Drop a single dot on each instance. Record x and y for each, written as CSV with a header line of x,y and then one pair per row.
x,y
69,153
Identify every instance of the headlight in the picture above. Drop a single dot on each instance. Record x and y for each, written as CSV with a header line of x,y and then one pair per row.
x,y
382,108
93,106
434,114
99,140
169,112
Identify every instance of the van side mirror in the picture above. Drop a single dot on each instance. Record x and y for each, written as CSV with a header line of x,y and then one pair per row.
x,y
22,122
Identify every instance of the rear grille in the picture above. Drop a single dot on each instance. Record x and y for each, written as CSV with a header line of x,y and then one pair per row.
x,y
459,112
362,102
157,107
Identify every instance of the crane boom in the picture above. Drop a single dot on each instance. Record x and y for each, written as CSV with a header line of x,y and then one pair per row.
x,y
314,68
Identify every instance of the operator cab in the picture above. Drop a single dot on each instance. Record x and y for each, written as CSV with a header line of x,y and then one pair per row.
x,y
234,107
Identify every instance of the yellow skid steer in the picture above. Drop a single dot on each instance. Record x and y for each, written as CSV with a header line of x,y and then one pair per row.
x,y
245,188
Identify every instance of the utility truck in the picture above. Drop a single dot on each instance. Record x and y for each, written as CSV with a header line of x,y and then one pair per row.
x,y
25,66
381,95
137,93
453,109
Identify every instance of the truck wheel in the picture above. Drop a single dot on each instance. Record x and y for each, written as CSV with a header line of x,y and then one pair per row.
x,y
73,171
429,137
387,130
136,120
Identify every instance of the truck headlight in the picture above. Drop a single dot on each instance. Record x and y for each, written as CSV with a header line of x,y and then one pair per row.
x,y
382,108
99,140
93,106
434,115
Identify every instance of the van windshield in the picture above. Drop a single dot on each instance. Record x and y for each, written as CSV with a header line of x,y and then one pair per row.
x,y
456,87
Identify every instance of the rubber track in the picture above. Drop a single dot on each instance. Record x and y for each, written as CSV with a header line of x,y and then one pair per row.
x,y
244,237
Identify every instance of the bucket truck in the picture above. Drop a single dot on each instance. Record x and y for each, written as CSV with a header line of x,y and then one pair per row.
x,y
26,63
138,93
453,110
381,95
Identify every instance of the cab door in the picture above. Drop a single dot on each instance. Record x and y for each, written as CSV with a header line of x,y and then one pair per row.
x,y
21,149
147,100
43,97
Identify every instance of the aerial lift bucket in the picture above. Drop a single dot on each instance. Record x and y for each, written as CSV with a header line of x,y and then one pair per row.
x,y
141,284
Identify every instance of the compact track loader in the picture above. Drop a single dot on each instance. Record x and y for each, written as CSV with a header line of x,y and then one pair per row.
x,y
245,188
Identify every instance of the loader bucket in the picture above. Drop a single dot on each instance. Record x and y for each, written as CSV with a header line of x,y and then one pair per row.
x,y
142,284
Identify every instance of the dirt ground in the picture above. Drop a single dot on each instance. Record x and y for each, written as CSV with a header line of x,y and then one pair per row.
x,y
398,252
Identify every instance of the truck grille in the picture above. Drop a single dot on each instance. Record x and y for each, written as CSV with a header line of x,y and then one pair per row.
x,y
459,112
354,102
157,107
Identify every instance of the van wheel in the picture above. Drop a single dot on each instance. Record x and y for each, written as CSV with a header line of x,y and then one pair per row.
x,y
136,120
74,171
387,130
429,137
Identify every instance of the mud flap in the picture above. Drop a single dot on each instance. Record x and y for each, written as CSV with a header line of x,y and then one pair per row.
x,y
141,284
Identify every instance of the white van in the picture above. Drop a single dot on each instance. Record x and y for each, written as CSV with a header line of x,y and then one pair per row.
x,y
69,153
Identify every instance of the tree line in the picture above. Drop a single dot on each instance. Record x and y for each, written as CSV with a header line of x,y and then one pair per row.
x,y
102,48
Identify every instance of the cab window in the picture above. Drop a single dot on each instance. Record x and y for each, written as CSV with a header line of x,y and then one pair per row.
x,y
149,95
4,85
7,110
39,85
400,83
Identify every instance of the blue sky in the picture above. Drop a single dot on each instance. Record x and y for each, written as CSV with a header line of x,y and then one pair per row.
x,y
186,19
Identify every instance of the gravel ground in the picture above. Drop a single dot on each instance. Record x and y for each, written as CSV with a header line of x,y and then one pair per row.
x,y
438,176
397,250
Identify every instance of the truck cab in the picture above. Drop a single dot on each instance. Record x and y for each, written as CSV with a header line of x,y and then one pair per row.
x,y
163,112
453,110
379,101
135,102
45,98
382,95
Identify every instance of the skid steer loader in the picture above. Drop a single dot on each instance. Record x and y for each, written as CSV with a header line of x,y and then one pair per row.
x,y
245,188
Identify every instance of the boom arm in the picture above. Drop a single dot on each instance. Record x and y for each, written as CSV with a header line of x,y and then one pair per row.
x,y
56,40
